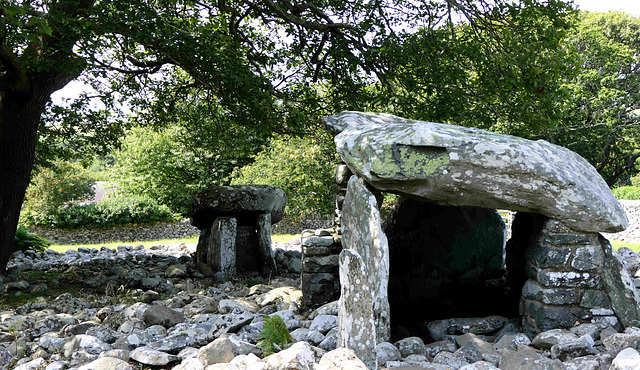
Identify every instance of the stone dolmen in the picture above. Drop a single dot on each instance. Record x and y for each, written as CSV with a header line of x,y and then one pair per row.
x,y
235,223
556,257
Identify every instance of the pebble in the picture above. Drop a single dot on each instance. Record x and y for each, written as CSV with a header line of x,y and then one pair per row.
x,y
192,321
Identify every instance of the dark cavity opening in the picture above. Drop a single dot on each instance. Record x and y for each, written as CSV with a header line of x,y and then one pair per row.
x,y
448,262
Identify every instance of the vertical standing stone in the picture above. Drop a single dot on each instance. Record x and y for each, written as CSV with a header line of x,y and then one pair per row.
x,y
625,300
221,251
356,321
263,225
362,232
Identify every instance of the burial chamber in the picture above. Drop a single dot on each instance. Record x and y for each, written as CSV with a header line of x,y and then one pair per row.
x,y
454,178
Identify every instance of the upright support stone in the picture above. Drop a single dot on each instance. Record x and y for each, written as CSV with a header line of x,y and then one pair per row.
x,y
263,226
221,251
362,232
625,300
356,319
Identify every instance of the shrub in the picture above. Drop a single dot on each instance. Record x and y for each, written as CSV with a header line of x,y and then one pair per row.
x,y
24,240
114,211
627,192
302,167
51,190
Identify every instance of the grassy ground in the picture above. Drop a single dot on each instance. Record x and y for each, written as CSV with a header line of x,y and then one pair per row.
x,y
282,238
616,245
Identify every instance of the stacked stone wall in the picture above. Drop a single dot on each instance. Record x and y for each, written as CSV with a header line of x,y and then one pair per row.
x,y
565,283
122,233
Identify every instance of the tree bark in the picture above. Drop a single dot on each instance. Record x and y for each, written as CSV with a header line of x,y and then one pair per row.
x,y
19,119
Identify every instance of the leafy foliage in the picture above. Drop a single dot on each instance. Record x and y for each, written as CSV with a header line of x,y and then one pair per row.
x,y
171,164
274,336
601,119
627,192
52,189
25,240
114,211
302,167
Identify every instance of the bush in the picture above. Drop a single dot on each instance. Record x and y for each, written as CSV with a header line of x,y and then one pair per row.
x,y
302,167
627,192
51,190
114,211
24,240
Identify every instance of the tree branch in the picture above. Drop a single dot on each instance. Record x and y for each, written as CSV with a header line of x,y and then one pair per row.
x,y
15,78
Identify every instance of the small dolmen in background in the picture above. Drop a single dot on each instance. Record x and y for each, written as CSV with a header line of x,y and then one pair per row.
x,y
235,223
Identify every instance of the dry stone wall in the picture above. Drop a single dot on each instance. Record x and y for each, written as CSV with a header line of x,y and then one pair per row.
x,y
123,233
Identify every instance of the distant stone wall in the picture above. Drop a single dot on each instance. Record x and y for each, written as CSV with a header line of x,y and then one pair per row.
x,y
632,233
161,230
286,226
123,233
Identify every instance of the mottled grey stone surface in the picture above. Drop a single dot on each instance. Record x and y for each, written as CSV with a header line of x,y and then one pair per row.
x,y
264,244
362,232
221,251
356,321
244,202
463,166
625,299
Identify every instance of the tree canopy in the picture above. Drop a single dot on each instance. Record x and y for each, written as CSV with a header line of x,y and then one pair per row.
x,y
266,66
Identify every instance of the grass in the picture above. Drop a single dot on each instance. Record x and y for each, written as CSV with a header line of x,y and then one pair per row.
x,y
617,244
61,248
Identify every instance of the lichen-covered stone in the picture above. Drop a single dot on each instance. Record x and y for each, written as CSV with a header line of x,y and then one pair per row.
x,y
471,167
221,246
587,258
356,319
568,279
543,256
243,202
533,290
263,226
625,299
362,233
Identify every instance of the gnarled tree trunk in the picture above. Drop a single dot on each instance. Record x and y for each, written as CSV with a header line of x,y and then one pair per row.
x,y
19,119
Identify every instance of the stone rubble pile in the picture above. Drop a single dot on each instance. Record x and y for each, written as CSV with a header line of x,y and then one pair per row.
x,y
134,308
632,233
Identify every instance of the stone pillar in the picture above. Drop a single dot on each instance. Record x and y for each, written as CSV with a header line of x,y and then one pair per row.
x,y
341,177
362,233
356,319
263,226
567,281
221,245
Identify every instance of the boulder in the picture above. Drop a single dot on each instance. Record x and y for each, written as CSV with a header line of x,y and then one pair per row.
x,y
463,166
244,202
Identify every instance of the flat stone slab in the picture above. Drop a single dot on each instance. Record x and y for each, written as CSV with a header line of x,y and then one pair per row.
x,y
463,166
243,202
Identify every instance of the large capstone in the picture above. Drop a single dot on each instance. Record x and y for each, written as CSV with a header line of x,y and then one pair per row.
x,y
235,223
243,202
463,166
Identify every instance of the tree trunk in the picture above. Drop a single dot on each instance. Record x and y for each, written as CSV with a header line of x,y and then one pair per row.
x,y
19,119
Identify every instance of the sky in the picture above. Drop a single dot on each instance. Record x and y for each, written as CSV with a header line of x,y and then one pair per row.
x,y
628,6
